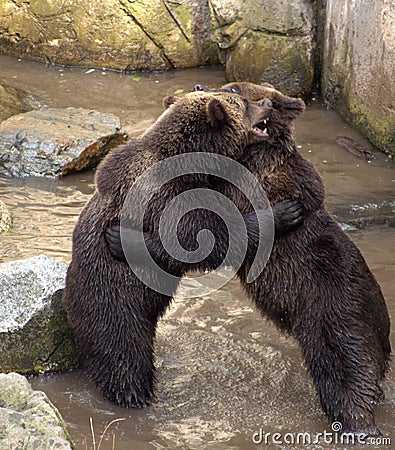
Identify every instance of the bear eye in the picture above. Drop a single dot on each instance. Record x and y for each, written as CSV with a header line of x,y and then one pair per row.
x,y
232,90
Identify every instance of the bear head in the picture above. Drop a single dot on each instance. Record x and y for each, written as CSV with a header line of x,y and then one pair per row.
x,y
282,110
214,122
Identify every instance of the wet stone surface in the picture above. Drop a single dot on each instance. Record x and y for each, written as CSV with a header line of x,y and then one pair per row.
x,y
5,218
28,419
41,142
35,336
15,101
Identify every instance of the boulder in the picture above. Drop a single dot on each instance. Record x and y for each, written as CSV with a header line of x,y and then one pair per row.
x,y
119,34
28,419
256,39
358,76
94,153
35,336
42,142
268,42
5,218
15,101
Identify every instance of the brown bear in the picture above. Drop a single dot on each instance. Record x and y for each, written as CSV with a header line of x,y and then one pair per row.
x,y
113,313
316,285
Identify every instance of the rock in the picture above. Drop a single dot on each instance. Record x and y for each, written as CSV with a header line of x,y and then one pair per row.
x,y
356,149
365,215
28,419
268,42
359,66
179,31
35,335
5,218
163,34
15,101
42,142
93,154
119,34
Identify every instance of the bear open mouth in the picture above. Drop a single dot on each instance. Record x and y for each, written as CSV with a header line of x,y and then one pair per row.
x,y
260,130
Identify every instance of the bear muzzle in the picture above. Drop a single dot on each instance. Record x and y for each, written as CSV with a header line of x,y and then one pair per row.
x,y
260,111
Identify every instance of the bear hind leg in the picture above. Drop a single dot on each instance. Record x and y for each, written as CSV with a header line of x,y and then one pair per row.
x,y
118,342
345,372
124,370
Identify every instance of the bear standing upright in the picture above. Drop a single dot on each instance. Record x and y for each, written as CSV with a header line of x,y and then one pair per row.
x,y
113,313
316,285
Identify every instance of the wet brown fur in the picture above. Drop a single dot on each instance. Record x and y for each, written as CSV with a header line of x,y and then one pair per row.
x,y
316,286
113,313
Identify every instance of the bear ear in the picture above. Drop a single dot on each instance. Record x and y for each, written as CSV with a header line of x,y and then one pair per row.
x,y
169,100
290,107
216,112
294,107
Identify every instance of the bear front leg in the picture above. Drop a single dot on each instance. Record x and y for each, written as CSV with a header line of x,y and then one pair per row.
x,y
287,216
344,369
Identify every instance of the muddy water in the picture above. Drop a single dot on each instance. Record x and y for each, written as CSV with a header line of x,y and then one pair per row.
x,y
224,373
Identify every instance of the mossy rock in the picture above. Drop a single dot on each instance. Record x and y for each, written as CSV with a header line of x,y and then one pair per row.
x,y
378,128
118,34
28,420
280,60
45,344
35,335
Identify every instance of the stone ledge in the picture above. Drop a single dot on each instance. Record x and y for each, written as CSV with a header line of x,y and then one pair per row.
x,y
28,419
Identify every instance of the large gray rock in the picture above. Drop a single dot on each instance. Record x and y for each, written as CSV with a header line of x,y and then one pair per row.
x,y
28,420
43,141
5,218
35,336
359,66
120,34
268,41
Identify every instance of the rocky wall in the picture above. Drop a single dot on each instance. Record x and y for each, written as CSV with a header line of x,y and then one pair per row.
x,y
281,42
358,76
258,40
119,34
268,41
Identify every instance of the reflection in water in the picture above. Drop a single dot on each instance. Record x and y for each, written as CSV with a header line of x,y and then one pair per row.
x,y
223,371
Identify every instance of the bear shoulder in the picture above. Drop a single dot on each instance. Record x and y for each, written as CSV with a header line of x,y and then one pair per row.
x,y
119,170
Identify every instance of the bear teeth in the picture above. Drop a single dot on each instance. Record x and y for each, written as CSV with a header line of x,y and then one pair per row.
x,y
258,132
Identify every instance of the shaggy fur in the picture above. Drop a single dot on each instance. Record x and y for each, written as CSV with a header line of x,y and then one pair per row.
x,y
113,313
316,286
